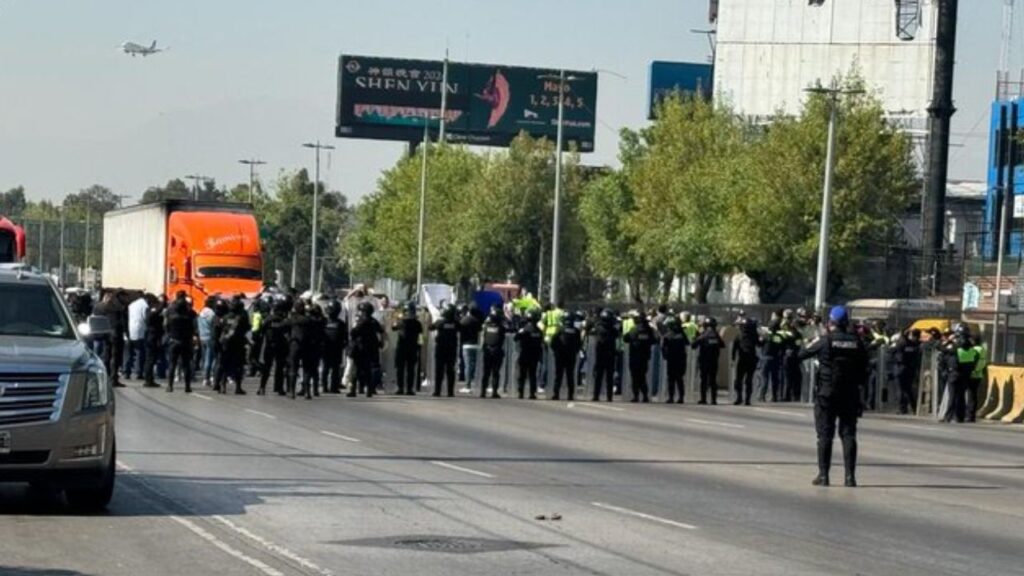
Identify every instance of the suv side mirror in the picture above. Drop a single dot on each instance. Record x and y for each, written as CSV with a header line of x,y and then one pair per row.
x,y
95,326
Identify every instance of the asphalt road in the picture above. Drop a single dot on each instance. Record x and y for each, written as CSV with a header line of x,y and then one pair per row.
x,y
231,485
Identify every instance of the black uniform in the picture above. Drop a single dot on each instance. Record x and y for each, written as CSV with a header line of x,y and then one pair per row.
x,y
367,340
566,345
606,336
217,328
962,359
113,349
155,325
792,374
470,326
842,375
407,353
233,339
446,351
275,349
181,330
335,344
641,340
299,337
495,328
673,349
744,353
531,348
708,345
907,357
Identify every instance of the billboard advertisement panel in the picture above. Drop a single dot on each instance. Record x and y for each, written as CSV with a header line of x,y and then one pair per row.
x,y
488,105
684,77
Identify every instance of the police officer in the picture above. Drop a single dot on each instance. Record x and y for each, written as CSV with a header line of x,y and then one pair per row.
x,y
315,351
275,348
298,339
367,341
606,336
446,349
744,353
155,329
470,325
260,311
709,346
907,357
641,339
233,340
181,330
674,345
977,380
407,350
842,374
335,343
220,314
494,330
792,342
113,308
772,347
531,348
565,346
963,360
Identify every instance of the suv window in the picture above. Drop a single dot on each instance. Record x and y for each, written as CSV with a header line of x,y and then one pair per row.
x,y
32,310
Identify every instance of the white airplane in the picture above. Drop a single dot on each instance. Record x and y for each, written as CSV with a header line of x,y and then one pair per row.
x,y
139,50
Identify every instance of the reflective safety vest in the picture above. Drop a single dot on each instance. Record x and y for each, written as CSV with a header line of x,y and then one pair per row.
x,y
552,319
691,330
257,321
982,356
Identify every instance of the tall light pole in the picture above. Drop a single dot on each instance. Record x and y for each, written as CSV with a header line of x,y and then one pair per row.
x,y
196,179
423,206
557,226
1004,222
253,163
316,204
821,281
444,99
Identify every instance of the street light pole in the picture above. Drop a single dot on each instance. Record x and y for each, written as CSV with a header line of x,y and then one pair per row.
x,y
253,163
1007,208
316,202
821,280
196,179
423,205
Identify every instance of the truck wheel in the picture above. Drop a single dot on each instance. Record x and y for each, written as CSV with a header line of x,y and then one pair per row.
x,y
95,498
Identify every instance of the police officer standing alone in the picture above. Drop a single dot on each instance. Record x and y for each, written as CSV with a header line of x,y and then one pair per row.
x,y
674,346
494,330
641,340
708,345
407,350
842,374
566,345
606,336
531,348
446,350
181,330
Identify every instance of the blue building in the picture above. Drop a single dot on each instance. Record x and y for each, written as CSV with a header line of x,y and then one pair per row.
x,y
1005,178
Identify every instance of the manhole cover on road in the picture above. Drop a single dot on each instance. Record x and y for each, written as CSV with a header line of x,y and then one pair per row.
x,y
443,544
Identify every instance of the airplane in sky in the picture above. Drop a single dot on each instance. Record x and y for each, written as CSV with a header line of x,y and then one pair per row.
x,y
140,50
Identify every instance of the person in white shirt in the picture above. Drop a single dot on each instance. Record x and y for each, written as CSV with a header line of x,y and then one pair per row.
x,y
136,356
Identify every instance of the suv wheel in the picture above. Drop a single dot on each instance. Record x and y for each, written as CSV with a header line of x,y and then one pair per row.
x,y
95,498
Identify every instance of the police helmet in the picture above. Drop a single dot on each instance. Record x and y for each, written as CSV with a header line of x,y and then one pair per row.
x,y
333,309
496,311
365,308
607,314
535,315
839,316
962,329
449,312
710,322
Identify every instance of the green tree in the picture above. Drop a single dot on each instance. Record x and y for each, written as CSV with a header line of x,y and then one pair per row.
x,y
12,202
95,199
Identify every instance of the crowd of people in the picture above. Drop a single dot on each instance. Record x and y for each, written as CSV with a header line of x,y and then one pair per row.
x,y
301,346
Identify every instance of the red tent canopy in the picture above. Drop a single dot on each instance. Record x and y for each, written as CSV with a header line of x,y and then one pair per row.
x,y
17,232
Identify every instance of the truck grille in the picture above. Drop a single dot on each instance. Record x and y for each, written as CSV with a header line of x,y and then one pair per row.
x,y
31,398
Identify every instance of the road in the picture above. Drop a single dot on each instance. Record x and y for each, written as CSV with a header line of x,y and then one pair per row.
x,y
267,486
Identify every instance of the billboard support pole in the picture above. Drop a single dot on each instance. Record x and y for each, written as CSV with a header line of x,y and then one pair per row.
x,y
423,211
557,228
444,98
316,201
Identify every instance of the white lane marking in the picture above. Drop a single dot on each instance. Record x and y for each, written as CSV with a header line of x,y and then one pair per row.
x,y
598,406
927,428
711,423
781,412
264,414
274,548
339,436
202,396
257,564
636,514
461,469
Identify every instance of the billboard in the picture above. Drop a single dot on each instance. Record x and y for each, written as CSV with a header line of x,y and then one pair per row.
x,y
769,51
684,77
488,105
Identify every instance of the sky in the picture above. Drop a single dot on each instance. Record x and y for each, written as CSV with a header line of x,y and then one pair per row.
x,y
257,78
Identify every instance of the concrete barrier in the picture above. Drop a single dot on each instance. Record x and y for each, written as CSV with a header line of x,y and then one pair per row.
x,y
1002,397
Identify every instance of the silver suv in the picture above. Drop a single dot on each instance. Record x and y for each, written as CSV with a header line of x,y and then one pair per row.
x,y
56,404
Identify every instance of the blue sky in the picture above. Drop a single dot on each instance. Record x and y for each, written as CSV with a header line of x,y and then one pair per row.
x,y
257,78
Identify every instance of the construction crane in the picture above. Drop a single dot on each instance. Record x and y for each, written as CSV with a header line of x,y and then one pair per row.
x,y
1007,41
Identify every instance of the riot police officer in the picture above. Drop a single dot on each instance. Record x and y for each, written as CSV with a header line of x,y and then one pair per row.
x,y
674,345
335,343
606,333
709,346
181,329
233,340
744,353
565,345
907,357
407,350
275,348
298,340
963,359
494,330
842,375
367,341
641,339
156,324
531,348
446,349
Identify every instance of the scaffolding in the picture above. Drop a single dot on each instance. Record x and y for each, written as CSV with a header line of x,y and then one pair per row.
x,y
908,18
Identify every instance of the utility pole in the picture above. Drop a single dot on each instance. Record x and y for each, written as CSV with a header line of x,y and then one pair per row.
x,y
85,259
423,206
940,112
61,265
444,99
316,205
253,163
196,179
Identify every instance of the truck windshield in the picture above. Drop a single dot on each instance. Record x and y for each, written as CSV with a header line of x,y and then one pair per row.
x,y
32,310
240,267
6,247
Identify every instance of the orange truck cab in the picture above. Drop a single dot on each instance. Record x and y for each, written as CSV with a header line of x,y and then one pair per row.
x,y
12,242
202,248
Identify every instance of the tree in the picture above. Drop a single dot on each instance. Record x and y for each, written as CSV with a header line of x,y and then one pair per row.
x,y
177,189
96,199
12,202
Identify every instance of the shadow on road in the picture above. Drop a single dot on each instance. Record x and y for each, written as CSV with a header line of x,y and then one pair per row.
x,y
21,571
